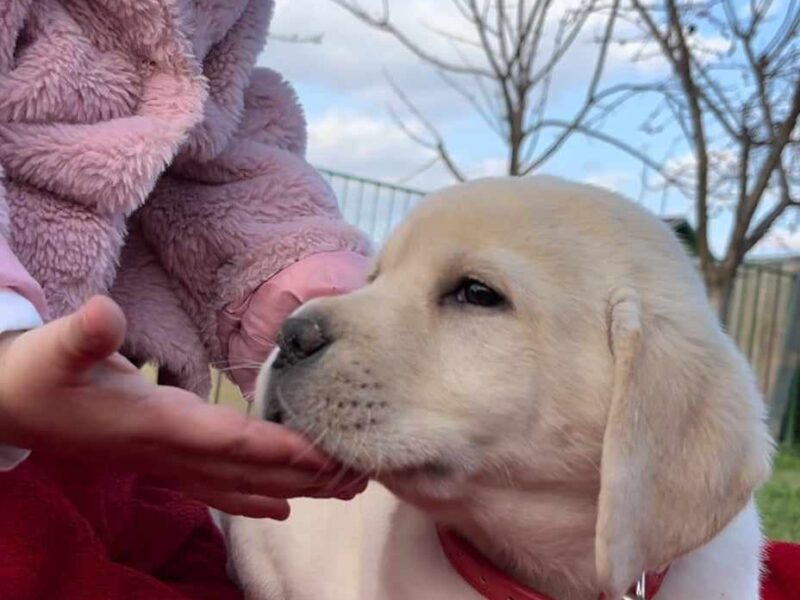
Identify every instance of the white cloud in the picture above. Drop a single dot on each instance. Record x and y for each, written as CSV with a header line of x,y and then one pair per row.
x,y
637,57
352,129
778,242
645,57
353,57
374,147
369,146
491,166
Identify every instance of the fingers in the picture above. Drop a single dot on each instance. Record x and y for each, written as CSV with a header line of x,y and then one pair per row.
x,y
93,333
70,345
250,479
255,507
182,423
353,490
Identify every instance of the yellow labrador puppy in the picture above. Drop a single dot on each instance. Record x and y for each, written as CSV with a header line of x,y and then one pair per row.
x,y
535,374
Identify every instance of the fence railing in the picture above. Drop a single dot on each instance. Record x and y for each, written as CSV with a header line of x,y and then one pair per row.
x,y
762,308
765,305
371,205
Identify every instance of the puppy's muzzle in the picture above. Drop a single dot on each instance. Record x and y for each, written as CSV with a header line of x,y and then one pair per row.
x,y
300,339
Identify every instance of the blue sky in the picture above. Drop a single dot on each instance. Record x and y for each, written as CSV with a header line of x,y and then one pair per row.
x,y
341,83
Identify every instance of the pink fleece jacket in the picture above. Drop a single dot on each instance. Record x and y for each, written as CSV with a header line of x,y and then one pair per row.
x,y
147,158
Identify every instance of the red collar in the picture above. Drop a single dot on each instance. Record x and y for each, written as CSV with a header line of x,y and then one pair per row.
x,y
493,584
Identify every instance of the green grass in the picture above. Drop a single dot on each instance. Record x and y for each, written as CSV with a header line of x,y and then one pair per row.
x,y
779,500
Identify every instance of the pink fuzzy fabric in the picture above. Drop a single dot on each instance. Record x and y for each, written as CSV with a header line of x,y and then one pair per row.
x,y
246,332
149,116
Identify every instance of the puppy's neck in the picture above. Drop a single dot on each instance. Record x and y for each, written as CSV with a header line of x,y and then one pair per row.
x,y
542,538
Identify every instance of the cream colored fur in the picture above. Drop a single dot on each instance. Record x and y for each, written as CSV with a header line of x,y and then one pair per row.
x,y
599,425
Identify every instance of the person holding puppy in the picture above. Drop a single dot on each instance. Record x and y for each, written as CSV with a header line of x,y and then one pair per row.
x,y
146,161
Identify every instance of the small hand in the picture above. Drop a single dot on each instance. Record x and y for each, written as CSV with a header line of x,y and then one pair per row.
x,y
64,388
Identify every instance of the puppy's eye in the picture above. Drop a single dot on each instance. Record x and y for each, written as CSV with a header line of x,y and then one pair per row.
x,y
472,291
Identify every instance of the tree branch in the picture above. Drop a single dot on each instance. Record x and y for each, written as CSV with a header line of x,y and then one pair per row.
x,y
738,241
620,145
591,94
384,24
483,112
676,50
438,144
762,227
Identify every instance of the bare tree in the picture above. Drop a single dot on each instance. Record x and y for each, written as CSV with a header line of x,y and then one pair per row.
x,y
731,98
504,69
732,93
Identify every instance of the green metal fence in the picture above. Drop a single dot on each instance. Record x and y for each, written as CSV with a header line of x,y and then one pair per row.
x,y
371,205
765,323
762,309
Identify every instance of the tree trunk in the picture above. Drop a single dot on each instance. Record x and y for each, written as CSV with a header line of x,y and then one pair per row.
x,y
719,285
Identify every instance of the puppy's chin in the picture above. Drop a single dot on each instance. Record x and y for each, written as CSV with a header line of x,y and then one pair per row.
x,y
425,491
429,485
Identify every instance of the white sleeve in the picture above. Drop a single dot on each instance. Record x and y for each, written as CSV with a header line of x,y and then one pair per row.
x,y
16,314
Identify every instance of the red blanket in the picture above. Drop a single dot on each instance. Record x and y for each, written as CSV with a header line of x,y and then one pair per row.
x,y
71,532
781,572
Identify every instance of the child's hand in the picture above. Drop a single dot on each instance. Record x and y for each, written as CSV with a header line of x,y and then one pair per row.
x,y
64,388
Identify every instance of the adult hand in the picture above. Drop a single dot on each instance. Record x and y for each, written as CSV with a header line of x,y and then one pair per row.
x,y
64,388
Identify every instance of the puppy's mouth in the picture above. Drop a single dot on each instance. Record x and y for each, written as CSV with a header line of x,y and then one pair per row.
x,y
360,449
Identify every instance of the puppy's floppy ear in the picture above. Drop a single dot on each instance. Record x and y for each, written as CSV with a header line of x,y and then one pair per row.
x,y
685,443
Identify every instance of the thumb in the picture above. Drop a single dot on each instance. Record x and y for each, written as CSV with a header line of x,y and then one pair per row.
x,y
77,341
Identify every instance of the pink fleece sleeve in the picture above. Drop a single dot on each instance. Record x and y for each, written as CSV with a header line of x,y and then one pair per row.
x,y
248,328
249,235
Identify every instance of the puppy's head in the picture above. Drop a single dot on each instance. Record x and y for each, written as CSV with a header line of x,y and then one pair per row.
x,y
519,333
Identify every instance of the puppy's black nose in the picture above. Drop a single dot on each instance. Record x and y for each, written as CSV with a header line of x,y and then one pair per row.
x,y
299,339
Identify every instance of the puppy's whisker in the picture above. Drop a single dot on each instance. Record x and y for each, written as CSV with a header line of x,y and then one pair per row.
x,y
249,365
234,362
267,341
305,431
340,474
240,363
314,444
318,440
335,451
362,435
338,444
284,406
